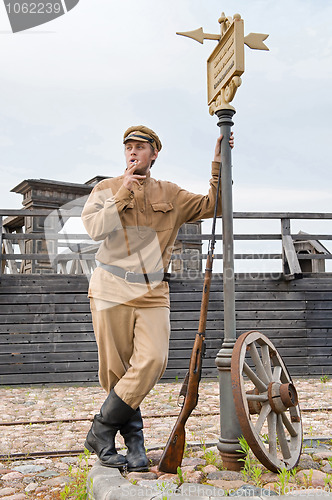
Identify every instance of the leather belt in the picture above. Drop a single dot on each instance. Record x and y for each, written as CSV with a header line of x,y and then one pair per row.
x,y
132,277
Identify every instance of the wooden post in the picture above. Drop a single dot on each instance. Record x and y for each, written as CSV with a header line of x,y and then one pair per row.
x,y
1,253
291,265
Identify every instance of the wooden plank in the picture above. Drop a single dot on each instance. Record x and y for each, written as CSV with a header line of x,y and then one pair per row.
x,y
320,352
318,332
319,323
320,370
319,296
282,215
315,305
236,215
44,309
8,248
46,298
299,335
31,338
259,296
44,318
263,305
40,212
51,236
243,325
176,374
322,361
252,286
38,349
237,256
40,279
294,353
320,314
185,316
49,256
216,343
239,236
253,237
49,378
314,256
291,265
18,358
284,329
47,287
46,327
1,248
49,367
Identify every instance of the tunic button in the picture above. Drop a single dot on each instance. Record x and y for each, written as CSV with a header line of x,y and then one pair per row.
x,y
142,210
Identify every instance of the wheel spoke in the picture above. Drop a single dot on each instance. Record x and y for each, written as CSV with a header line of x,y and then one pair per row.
x,y
267,361
276,373
282,438
272,427
261,372
262,398
266,409
289,425
254,378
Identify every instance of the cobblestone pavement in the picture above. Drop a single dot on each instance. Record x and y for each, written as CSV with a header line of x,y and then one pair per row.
x,y
46,476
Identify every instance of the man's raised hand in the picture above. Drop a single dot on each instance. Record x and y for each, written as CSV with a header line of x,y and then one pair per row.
x,y
217,151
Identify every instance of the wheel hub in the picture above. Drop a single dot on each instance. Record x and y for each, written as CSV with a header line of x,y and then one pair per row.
x,y
282,396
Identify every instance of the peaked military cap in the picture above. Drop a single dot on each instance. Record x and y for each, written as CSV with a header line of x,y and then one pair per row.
x,y
144,134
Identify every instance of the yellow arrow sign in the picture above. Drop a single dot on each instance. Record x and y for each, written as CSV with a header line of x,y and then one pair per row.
x,y
255,41
199,35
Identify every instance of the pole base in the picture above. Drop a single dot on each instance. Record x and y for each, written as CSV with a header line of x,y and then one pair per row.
x,y
231,454
231,460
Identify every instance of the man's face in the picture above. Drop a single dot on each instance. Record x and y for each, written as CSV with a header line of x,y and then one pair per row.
x,y
141,153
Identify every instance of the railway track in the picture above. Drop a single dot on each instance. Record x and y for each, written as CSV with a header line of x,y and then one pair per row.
x,y
68,453
164,415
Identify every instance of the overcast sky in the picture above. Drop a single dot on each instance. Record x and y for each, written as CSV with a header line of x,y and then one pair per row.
x,y
69,89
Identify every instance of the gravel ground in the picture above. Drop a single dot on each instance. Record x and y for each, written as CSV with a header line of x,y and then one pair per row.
x,y
35,403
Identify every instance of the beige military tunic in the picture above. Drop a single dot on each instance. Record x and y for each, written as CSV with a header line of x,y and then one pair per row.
x,y
138,229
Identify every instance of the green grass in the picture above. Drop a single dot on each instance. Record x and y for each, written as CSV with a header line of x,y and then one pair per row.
x,y
284,476
76,488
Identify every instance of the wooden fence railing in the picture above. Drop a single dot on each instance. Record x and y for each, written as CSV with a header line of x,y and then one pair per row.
x,y
29,251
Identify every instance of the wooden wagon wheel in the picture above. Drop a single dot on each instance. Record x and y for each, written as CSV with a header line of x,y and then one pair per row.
x,y
266,402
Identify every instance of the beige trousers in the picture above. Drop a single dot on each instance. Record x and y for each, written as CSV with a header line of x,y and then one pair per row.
x,y
132,348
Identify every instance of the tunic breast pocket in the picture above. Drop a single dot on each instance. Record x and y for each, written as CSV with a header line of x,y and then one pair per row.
x,y
163,215
131,204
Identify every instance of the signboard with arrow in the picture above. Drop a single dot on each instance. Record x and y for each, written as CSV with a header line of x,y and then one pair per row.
x,y
226,63
227,60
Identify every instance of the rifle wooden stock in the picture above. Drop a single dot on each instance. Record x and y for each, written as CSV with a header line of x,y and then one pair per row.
x,y
172,455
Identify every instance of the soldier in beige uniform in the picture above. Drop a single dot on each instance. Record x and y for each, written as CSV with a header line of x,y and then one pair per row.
x,y
137,219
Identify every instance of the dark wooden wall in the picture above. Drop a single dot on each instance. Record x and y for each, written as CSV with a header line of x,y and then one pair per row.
x,y
46,334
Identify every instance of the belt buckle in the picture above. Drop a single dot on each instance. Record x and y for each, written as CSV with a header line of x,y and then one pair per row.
x,y
128,273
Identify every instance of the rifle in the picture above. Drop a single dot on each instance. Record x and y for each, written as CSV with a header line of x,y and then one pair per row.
x,y
188,397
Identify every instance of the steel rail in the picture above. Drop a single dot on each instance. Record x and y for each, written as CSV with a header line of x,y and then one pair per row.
x,y
165,415
41,454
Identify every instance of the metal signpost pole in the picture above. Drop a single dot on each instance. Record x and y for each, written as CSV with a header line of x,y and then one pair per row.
x,y
229,424
225,66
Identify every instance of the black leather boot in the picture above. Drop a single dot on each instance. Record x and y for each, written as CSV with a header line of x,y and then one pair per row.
x,y
132,433
114,413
